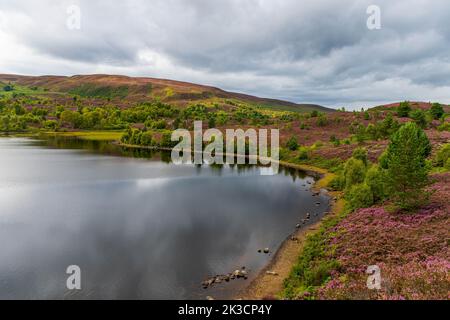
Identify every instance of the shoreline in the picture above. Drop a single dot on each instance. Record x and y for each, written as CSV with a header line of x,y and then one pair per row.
x,y
268,284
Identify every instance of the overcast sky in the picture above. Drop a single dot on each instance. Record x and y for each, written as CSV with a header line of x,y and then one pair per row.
x,y
303,51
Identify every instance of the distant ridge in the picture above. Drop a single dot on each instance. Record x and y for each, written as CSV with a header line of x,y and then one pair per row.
x,y
142,88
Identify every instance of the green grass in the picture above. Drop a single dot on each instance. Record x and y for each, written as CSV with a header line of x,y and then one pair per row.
x,y
105,92
316,261
19,91
91,135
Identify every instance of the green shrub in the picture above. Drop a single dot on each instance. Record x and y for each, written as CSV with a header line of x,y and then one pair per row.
x,y
292,143
359,196
303,153
337,183
372,132
360,153
447,164
442,155
322,121
375,180
444,127
146,139
403,109
437,111
50,124
419,118
354,172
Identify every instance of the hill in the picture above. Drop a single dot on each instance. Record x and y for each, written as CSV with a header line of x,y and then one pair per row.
x,y
137,89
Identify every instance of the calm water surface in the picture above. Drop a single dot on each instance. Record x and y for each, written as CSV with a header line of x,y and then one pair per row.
x,y
139,227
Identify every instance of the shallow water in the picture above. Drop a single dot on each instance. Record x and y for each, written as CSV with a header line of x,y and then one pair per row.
x,y
139,228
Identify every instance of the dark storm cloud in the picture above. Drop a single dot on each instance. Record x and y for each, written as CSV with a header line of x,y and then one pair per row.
x,y
309,51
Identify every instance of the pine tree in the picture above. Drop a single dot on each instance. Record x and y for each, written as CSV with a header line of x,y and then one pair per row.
x,y
407,173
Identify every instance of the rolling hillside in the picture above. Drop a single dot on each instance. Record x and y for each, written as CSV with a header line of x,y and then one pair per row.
x,y
135,89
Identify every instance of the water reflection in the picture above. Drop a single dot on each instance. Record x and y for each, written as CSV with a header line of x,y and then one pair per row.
x,y
138,228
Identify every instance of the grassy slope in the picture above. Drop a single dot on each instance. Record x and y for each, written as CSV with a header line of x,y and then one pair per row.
x,y
143,89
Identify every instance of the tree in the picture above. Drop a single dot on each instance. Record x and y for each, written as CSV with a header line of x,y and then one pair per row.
x,y
407,173
360,196
8,88
292,143
403,109
388,126
354,173
322,121
212,122
419,118
360,153
442,155
360,133
71,117
437,111
375,181
372,131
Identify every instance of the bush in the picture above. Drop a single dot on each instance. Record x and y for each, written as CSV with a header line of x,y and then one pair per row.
x,y
360,153
372,132
437,111
303,154
360,196
442,155
292,143
419,118
447,164
403,109
375,180
444,127
354,172
146,139
158,124
337,183
322,121
8,88
50,124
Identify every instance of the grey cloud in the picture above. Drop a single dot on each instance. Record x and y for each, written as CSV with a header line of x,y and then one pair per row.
x,y
309,51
